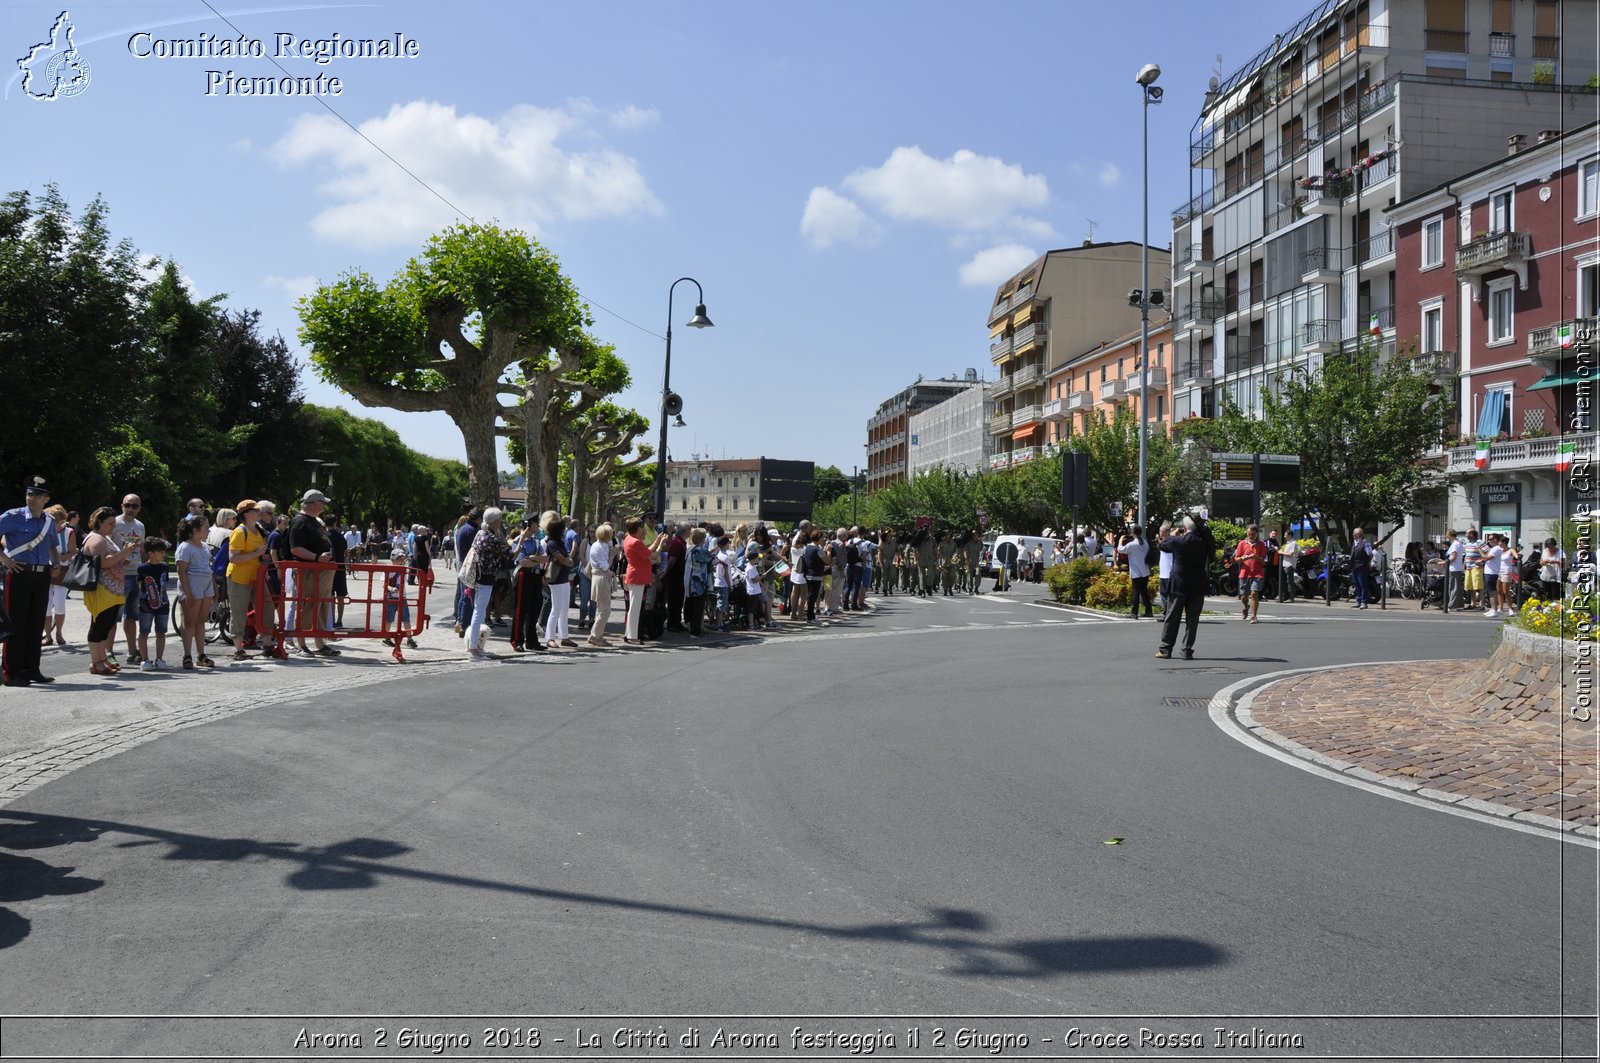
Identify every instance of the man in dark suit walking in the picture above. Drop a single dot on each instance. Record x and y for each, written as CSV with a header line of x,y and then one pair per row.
x,y
1191,552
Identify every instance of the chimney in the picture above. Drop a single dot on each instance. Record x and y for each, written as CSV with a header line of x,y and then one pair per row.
x,y
1546,135
1514,143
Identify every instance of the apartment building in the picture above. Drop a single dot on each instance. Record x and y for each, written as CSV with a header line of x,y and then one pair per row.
x,y
1104,379
952,435
1499,279
1047,314
1283,253
888,435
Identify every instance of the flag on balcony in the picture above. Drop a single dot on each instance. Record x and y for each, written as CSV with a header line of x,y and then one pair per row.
x,y
1563,456
1481,459
1373,326
1565,334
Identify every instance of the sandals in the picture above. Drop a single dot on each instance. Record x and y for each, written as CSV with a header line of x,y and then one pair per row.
x,y
188,664
205,662
102,669
240,655
327,651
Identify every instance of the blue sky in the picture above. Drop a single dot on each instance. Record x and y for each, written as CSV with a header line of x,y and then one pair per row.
x,y
846,180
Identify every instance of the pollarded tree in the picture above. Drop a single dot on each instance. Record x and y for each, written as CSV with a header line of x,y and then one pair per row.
x,y
605,433
441,334
562,388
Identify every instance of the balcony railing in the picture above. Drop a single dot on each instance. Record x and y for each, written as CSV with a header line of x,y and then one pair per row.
x,y
1320,335
1547,47
1196,206
1000,423
1112,390
1027,376
999,310
1208,309
1243,357
1022,296
1378,172
1000,348
1379,245
1442,365
1031,333
1380,320
1000,461
1195,371
1157,381
1502,45
1079,401
1555,341
1022,454
1321,265
1000,388
1445,40
1525,453
1492,252
1053,410
1023,415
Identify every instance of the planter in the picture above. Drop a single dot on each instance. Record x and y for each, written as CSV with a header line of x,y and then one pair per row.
x,y
1530,677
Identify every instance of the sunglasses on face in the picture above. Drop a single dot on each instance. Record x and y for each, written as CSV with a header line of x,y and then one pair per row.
x,y
130,505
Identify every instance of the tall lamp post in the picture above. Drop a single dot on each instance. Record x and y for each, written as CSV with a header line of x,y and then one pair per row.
x,y
1152,94
672,405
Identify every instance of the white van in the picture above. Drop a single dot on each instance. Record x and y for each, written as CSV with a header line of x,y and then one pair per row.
x,y
1053,549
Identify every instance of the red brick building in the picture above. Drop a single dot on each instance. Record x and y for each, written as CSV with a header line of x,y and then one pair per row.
x,y
1498,274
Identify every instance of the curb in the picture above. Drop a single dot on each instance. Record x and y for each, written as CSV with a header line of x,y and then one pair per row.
x,y
1230,710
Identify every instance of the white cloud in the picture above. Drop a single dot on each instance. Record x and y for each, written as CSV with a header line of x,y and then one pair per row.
x,y
512,169
830,219
293,287
989,267
1110,175
967,191
631,117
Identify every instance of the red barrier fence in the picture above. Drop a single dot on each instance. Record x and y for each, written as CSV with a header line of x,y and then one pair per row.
x,y
380,603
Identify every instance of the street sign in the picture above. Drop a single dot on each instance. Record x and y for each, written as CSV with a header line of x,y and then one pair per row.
x,y
1237,481
983,519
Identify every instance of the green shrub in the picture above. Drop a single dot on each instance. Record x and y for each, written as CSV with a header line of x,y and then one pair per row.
x,y
1227,535
1069,582
1109,590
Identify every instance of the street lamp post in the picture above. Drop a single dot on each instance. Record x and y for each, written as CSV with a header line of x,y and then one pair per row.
x,y
672,405
1152,94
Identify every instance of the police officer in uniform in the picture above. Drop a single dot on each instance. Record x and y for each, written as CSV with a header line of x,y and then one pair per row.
x,y
28,552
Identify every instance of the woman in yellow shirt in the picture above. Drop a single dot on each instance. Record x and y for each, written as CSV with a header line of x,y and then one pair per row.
x,y
246,546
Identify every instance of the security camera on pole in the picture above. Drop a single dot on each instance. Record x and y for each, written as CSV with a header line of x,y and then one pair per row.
x,y
1152,94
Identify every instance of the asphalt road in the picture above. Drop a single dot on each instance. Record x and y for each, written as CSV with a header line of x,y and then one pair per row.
x,y
905,817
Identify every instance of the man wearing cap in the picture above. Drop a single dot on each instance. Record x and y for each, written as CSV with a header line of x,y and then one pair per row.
x,y
28,552
128,530
311,589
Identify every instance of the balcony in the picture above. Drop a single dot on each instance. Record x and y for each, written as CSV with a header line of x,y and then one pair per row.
x,y
1328,198
1446,41
1240,356
1113,391
1028,337
1502,45
1000,461
1549,344
1022,297
1488,254
1000,388
1000,349
1001,307
1320,337
1380,245
1321,265
1380,320
1547,47
1202,310
1157,381
1026,376
1053,411
1080,402
1443,366
1026,415
1196,371
1000,424
1023,454
1372,176
1524,453
1196,206
880,445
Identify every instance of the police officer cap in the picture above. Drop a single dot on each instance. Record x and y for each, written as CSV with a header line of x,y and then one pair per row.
x,y
36,485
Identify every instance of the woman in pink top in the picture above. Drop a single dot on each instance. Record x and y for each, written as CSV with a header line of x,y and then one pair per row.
x,y
641,561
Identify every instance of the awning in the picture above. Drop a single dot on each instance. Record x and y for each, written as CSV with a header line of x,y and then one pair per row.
x,y
1023,315
997,330
1557,380
1025,433
1235,99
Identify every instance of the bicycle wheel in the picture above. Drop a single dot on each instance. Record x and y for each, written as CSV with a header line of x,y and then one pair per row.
x,y
219,626
177,617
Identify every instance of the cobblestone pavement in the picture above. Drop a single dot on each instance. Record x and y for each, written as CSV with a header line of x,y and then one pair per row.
x,y
1400,722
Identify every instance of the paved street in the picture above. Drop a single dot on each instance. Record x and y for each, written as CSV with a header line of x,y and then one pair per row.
x,y
905,814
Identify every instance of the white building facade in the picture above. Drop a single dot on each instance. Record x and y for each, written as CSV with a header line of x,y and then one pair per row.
x,y
954,434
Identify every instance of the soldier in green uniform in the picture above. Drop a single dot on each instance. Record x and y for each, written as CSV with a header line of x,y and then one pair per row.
x,y
947,563
974,561
927,557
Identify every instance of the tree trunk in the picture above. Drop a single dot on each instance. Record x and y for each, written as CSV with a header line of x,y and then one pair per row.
x,y
580,478
535,399
549,468
475,415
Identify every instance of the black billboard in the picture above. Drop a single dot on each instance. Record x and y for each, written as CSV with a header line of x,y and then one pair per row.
x,y
788,489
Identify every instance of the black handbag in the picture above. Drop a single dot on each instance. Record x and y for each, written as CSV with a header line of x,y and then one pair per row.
x,y
83,573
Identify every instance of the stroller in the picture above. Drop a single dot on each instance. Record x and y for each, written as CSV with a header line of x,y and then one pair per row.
x,y
1432,588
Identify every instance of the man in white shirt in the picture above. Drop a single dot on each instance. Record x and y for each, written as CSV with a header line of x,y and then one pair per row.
x,y
352,538
1455,557
129,529
1493,553
1091,545
1137,551
1288,554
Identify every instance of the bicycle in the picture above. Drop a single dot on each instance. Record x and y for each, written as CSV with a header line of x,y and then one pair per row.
x,y
218,622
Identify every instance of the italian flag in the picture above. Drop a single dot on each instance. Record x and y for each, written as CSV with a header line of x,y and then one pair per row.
x,y
1565,334
1563,457
1481,459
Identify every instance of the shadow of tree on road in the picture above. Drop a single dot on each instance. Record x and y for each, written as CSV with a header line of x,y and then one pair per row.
x,y
961,935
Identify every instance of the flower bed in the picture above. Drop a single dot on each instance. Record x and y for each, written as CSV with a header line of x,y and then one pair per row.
x,y
1573,619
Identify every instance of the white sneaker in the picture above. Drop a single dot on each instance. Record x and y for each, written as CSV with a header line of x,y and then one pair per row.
x,y
1491,612
147,666
160,663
